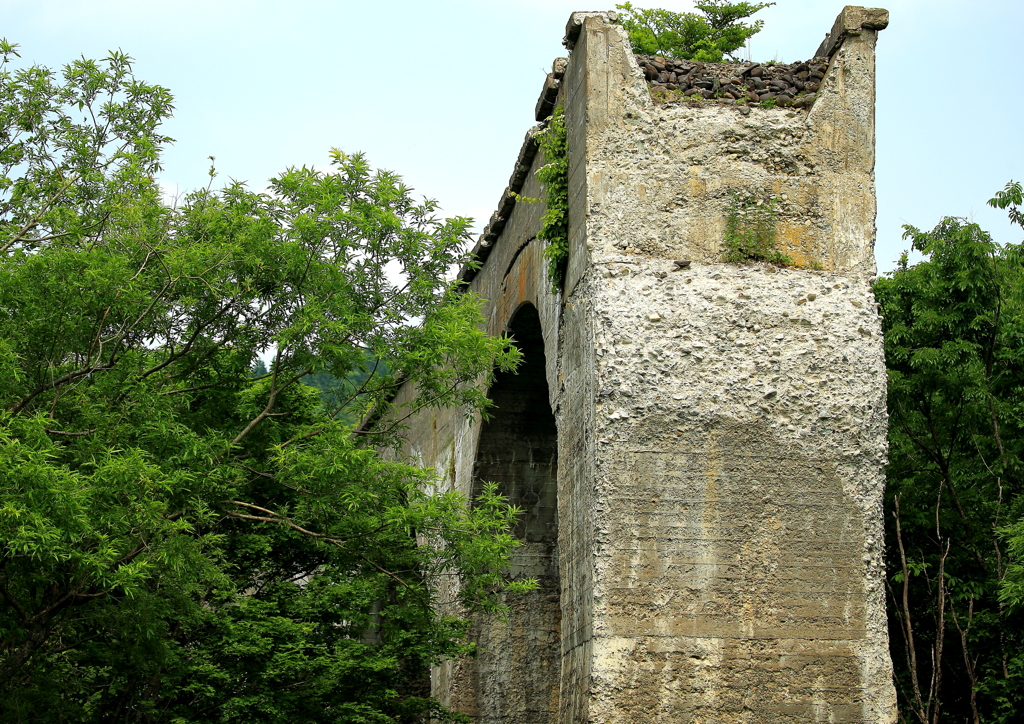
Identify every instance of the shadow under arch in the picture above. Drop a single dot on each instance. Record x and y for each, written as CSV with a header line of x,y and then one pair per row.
x,y
516,675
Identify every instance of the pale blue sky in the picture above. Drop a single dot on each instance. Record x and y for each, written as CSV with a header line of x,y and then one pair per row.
x,y
443,92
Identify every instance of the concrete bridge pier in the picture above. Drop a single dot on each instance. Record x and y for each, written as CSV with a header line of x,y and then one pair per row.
x,y
699,447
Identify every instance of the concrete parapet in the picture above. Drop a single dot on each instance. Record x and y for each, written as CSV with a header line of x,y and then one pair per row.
x,y
852,21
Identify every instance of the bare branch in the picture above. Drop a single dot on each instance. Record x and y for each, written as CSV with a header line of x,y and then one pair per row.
x,y
271,401
74,375
278,518
969,664
907,626
31,223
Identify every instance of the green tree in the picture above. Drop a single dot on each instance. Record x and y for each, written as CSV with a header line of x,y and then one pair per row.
x,y
182,539
1012,593
707,37
954,346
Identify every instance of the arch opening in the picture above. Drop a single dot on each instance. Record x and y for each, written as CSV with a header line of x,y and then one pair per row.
x,y
519,665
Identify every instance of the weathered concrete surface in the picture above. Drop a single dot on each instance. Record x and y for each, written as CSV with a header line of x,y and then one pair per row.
x,y
741,429
851,22
674,167
720,428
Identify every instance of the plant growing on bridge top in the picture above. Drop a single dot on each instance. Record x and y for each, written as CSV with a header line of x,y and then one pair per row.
x,y
750,231
708,36
554,174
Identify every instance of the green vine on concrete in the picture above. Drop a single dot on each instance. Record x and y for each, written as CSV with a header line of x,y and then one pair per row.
x,y
750,231
554,175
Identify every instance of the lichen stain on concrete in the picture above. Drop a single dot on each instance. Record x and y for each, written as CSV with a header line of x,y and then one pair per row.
x,y
698,187
798,242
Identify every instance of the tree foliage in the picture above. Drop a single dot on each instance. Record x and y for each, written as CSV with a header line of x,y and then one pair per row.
x,y
954,345
708,36
185,537
554,175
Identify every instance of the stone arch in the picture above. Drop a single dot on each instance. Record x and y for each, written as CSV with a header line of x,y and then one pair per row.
x,y
518,667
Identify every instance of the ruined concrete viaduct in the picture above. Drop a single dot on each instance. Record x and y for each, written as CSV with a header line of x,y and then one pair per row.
x,y
699,449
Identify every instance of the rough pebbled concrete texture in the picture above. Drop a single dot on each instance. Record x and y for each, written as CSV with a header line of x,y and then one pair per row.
x,y
719,430
741,428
